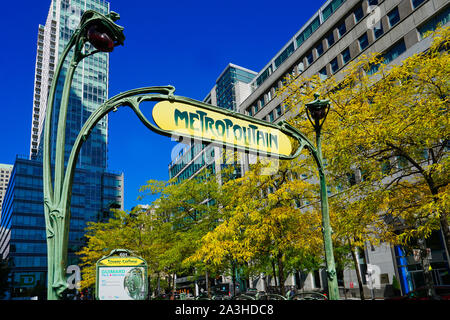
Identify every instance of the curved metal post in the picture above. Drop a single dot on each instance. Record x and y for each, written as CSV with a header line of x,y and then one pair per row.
x,y
56,202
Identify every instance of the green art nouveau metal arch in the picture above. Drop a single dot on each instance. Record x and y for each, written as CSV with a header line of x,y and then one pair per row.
x,y
102,33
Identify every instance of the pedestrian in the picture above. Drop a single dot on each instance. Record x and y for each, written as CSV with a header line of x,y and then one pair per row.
x,y
291,293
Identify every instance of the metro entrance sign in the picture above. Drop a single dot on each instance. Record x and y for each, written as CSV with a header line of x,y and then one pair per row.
x,y
207,123
121,276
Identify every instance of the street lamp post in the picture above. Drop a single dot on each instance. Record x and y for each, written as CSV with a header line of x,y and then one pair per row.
x,y
103,34
317,112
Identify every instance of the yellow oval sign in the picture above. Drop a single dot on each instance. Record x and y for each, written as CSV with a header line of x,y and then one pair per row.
x,y
204,124
121,261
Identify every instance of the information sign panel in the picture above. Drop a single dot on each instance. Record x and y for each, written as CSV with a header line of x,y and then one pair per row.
x,y
121,276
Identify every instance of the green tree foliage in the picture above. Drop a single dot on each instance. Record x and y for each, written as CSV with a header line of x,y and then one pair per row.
x,y
262,223
164,234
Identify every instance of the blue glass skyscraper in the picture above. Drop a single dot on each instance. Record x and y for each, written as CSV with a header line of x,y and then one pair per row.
x,y
95,190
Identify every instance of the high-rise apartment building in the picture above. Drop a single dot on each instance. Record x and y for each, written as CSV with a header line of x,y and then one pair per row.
x,y
95,189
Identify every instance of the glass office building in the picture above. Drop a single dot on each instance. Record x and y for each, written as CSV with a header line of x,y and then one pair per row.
x,y
22,225
89,87
232,87
228,86
95,189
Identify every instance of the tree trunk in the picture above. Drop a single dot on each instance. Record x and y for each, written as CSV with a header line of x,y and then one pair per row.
x,y
172,293
357,269
169,282
233,277
442,218
281,274
173,283
274,273
158,288
208,287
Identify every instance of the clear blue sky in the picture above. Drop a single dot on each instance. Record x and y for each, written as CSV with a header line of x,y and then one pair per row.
x,y
186,44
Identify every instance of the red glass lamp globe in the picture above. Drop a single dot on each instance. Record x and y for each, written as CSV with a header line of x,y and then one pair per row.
x,y
99,38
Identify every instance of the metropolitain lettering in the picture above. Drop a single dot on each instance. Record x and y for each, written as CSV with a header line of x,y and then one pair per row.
x,y
225,129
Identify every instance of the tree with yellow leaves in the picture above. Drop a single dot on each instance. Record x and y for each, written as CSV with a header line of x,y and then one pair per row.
x,y
123,230
262,221
386,141
164,234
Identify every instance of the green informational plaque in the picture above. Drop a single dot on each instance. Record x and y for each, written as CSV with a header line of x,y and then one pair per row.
x,y
121,276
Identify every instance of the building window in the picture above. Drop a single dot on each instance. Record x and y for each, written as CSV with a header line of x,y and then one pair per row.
x,y
358,14
261,102
378,30
416,3
310,58
330,39
284,55
306,33
342,29
373,2
442,18
319,49
300,67
271,118
393,17
346,55
323,73
373,68
264,76
331,8
394,51
363,41
250,111
334,65
278,111
389,55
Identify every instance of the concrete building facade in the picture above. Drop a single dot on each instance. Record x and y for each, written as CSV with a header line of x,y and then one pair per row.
x,y
338,33
341,31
